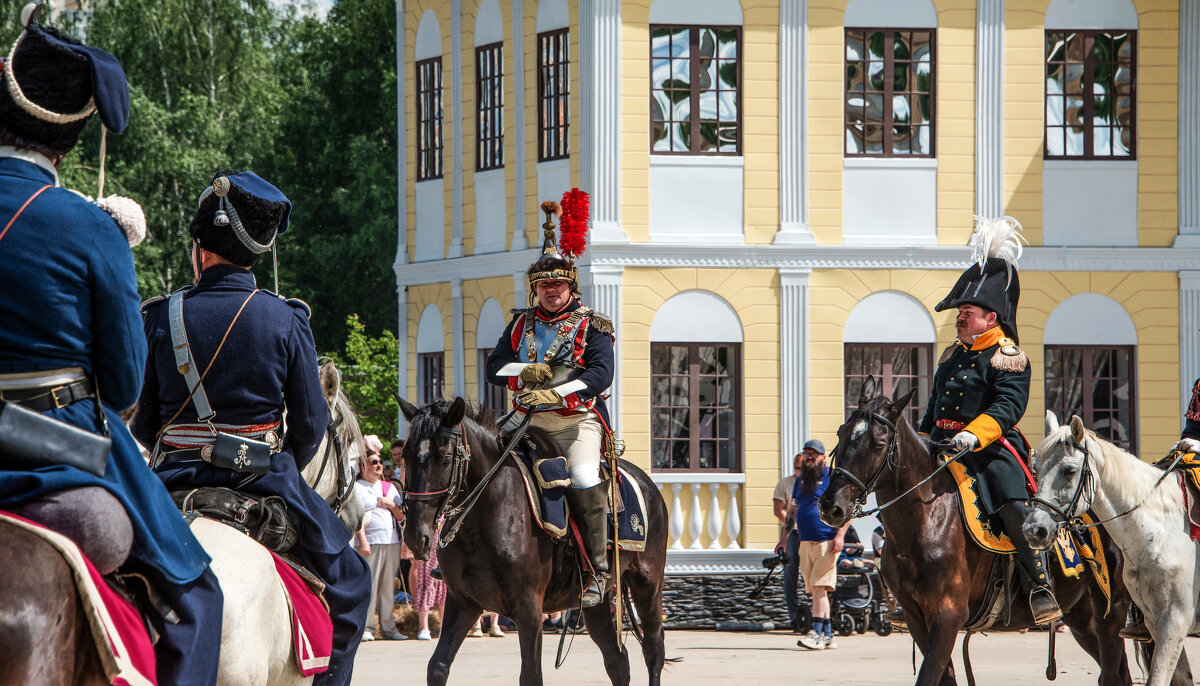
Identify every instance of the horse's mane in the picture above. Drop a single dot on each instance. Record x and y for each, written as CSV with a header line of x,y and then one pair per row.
x,y
1125,477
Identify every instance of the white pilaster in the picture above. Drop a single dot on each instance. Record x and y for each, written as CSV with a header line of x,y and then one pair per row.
x,y
793,368
1189,128
793,126
1189,336
402,354
456,79
520,281
401,144
460,371
518,134
989,108
600,82
606,299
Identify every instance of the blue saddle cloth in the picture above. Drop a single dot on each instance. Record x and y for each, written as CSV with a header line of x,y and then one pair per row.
x,y
546,484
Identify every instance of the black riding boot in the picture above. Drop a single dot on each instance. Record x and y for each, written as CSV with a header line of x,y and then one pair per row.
x,y
1033,573
589,506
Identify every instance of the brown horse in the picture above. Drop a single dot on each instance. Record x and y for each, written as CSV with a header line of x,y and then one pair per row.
x,y
501,559
938,577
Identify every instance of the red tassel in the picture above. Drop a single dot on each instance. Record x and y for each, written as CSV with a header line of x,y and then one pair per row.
x,y
573,225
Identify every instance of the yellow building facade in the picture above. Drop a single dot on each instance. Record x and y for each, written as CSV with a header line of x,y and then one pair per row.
x,y
781,193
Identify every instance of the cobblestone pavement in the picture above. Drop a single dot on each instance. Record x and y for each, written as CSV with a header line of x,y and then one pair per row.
x,y
728,659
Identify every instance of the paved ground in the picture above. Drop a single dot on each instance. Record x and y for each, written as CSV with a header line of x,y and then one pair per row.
x,y
729,659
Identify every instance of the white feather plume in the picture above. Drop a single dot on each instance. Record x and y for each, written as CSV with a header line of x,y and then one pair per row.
x,y
1000,237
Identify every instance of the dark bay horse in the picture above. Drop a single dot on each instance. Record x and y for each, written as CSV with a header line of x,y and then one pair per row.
x,y
501,560
938,577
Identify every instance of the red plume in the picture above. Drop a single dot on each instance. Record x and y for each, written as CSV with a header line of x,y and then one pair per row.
x,y
573,225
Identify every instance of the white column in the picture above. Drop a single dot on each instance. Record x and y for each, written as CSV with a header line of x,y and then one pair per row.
x,y
401,144
676,517
600,82
1189,128
793,123
606,299
456,80
714,517
1189,336
402,354
733,523
793,367
520,281
459,356
989,108
696,523
518,134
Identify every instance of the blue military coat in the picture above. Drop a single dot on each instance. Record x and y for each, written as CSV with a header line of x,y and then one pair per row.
x,y
68,298
268,363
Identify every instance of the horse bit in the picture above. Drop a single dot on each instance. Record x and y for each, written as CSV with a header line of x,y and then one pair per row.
x,y
889,461
458,474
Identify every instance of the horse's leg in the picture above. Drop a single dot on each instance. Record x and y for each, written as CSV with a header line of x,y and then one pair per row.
x,y
460,617
935,636
529,629
603,630
647,598
1169,629
1097,635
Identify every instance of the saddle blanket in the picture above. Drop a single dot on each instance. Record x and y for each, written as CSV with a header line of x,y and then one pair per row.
x,y
122,642
1189,483
312,630
546,484
1072,553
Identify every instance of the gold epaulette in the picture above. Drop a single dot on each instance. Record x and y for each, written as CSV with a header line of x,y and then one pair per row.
x,y
1009,358
300,304
947,352
601,323
151,301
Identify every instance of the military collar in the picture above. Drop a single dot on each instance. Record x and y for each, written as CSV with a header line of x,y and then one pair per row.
x,y
43,163
227,275
987,339
565,312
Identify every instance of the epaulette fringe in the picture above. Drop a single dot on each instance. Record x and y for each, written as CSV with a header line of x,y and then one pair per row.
x,y
602,323
1010,362
947,353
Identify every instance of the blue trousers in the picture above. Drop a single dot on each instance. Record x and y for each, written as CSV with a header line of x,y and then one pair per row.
x,y
349,596
791,573
187,653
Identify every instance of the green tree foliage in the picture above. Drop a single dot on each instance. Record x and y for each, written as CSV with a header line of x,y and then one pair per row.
x,y
369,377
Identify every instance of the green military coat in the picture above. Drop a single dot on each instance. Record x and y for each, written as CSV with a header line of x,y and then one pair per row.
x,y
984,389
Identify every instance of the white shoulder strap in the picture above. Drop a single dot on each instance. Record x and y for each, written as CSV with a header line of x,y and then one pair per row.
x,y
184,361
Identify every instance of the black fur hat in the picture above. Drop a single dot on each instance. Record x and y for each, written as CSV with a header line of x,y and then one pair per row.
x,y
253,204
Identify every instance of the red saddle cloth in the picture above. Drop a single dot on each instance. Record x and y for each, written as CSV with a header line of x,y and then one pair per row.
x,y
117,627
312,630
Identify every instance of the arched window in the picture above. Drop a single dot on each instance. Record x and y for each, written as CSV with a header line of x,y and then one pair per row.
x,y
487,332
889,335
431,357
695,385
430,209
1096,382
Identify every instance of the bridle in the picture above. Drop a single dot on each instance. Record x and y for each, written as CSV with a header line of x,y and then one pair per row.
x,y
458,474
888,462
335,445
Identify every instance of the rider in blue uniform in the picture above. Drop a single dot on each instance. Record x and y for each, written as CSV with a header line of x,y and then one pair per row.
x,y
69,303
265,362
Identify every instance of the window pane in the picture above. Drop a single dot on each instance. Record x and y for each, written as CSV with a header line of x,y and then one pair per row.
x,y
680,455
660,392
660,356
679,359
680,426
707,424
679,391
660,455
708,454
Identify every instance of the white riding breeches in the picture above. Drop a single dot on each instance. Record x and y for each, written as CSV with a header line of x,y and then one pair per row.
x,y
579,437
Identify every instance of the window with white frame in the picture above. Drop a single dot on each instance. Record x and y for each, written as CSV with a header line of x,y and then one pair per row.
x,y
695,90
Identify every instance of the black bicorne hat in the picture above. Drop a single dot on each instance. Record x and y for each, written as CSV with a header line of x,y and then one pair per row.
x,y
992,281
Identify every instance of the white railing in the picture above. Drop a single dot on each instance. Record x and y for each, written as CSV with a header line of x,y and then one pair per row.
x,y
705,509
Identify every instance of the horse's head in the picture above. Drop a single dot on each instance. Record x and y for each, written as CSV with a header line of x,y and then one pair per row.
x,y
1065,465
331,471
432,466
867,444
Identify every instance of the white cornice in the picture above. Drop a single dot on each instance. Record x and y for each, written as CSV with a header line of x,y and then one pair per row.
x,y
705,562
644,255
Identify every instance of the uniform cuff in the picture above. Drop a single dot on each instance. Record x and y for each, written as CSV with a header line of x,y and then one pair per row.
x,y
570,387
986,429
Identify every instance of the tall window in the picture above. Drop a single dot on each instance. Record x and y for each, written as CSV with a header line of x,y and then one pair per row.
x,y
695,90
429,119
489,94
1091,94
554,87
890,92
695,409
430,376
491,396
1098,384
899,367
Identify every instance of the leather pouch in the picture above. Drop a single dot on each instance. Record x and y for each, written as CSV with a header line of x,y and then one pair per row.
x,y
30,439
241,454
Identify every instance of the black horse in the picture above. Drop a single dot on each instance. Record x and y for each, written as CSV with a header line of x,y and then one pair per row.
x,y
500,559
938,577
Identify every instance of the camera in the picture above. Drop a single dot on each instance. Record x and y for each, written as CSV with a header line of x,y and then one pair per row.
x,y
775,560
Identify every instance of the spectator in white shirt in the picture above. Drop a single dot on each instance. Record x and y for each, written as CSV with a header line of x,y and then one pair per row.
x,y
379,540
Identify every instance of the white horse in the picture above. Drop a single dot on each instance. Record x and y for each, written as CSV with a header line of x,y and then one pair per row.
x,y
1078,471
257,648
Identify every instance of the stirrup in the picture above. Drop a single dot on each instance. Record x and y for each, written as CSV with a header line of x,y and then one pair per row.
x,y
1044,606
593,591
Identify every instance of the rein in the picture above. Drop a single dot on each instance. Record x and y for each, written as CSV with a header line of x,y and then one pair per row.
x,y
334,442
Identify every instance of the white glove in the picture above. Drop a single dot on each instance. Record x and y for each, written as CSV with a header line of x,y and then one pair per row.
x,y
1188,445
965,440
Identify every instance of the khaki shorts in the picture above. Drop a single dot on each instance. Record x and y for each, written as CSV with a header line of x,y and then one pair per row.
x,y
818,564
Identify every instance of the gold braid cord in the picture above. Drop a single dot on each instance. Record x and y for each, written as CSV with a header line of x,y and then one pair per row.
x,y
614,476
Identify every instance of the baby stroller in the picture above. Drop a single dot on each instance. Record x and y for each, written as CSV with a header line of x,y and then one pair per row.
x,y
857,603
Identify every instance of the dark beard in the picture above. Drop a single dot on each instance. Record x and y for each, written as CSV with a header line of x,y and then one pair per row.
x,y
811,474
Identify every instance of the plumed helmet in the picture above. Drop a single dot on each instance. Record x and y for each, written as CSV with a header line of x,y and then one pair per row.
x,y
558,257
991,282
